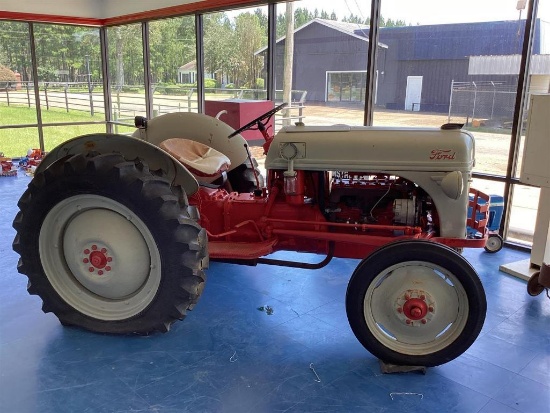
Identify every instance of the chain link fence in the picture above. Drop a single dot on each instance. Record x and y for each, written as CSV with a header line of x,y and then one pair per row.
x,y
482,103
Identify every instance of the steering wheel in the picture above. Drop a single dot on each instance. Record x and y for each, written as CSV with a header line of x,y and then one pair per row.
x,y
265,117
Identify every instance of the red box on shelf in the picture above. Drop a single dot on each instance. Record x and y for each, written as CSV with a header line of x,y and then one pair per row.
x,y
239,113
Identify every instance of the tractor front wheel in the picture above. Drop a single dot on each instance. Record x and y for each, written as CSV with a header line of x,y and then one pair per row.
x,y
415,303
109,245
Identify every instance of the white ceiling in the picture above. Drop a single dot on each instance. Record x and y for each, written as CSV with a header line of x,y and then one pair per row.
x,y
95,9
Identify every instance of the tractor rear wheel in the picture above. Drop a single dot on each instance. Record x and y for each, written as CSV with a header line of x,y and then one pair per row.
x,y
109,245
415,303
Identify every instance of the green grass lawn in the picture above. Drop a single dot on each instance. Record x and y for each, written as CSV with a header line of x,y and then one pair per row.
x,y
16,142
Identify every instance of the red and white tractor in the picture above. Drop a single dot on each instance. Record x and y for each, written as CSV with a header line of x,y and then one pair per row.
x,y
115,232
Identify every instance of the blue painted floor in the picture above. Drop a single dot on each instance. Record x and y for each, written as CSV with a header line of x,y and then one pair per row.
x,y
227,356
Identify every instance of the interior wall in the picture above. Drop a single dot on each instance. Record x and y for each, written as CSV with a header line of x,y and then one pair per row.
x,y
95,9
76,8
120,8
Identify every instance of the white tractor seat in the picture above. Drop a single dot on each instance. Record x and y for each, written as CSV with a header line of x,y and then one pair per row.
x,y
201,160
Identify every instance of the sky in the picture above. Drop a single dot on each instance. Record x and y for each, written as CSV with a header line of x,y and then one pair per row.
x,y
428,11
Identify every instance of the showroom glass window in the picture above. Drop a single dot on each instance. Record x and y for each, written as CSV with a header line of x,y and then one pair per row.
x,y
126,75
325,79
173,65
17,97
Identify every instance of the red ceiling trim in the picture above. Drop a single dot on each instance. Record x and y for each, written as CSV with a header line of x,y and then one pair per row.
x,y
190,8
182,9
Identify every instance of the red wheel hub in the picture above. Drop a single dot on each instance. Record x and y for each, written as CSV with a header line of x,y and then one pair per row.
x,y
415,308
98,259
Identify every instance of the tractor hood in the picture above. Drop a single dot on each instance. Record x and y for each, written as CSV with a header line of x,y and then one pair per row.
x,y
367,149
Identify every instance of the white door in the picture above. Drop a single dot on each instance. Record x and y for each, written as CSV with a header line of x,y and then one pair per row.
x,y
414,93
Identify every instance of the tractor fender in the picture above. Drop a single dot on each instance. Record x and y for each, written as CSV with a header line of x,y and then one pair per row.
x,y
129,147
199,128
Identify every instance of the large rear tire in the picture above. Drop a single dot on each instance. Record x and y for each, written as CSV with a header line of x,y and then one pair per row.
x,y
415,303
110,246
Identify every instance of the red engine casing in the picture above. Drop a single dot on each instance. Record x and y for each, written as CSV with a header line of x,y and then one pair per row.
x,y
355,213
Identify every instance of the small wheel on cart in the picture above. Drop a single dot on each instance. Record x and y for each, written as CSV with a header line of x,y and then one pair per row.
x,y
494,243
533,286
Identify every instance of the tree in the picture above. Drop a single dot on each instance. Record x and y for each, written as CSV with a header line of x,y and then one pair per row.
x,y
352,18
6,77
219,44
172,44
229,47
15,47
395,23
262,18
63,51
250,37
302,16
119,59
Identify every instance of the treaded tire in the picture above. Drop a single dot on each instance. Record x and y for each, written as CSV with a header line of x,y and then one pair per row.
x,y
415,303
151,266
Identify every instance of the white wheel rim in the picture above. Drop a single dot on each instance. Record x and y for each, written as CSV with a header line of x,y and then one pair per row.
x,y
493,243
432,326
99,257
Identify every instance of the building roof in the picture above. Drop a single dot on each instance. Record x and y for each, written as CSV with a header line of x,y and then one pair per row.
x,y
192,67
459,40
359,31
445,41
507,65
189,67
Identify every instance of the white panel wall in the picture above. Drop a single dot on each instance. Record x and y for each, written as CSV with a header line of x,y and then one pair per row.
x,y
73,8
95,9
123,7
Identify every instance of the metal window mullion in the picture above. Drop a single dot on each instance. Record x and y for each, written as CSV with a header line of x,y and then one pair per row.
x,y
36,90
372,54
517,121
271,45
147,70
108,102
199,37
